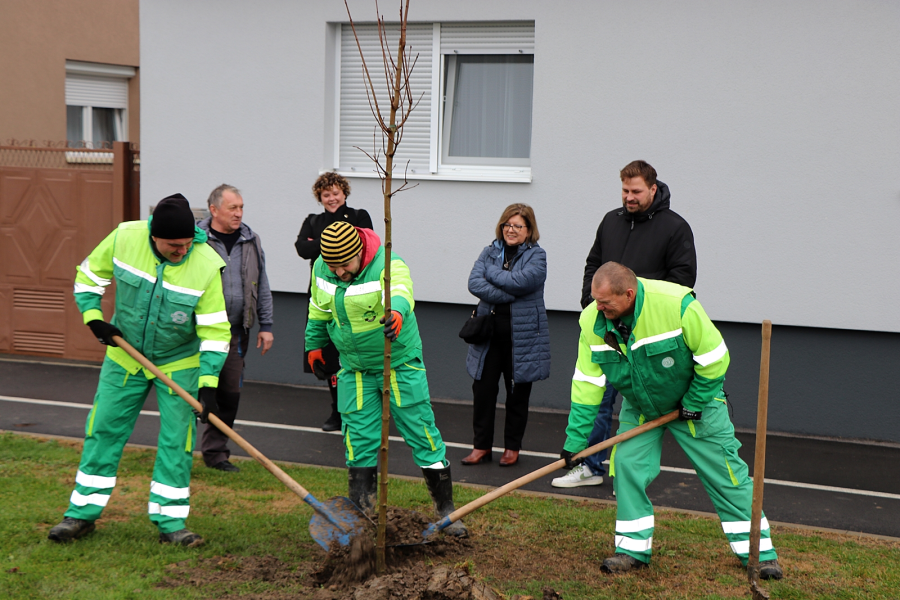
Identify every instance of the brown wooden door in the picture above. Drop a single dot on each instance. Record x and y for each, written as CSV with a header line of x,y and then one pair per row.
x,y
51,217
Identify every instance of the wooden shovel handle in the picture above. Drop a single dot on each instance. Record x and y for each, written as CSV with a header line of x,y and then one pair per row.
x,y
268,464
515,484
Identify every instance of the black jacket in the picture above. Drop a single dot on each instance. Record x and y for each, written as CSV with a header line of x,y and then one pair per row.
x,y
307,246
656,244
307,243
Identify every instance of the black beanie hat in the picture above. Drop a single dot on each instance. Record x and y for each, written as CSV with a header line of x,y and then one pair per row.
x,y
172,219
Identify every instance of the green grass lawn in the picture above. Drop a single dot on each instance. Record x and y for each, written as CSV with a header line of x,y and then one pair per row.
x,y
519,544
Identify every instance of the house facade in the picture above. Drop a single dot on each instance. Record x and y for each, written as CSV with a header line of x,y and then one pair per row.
x,y
775,126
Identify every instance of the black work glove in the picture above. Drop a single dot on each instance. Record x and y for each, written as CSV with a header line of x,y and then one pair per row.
x,y
104,331
570,462
689,415
207,398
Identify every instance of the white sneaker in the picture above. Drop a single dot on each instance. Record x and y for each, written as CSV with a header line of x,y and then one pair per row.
x,y
577,477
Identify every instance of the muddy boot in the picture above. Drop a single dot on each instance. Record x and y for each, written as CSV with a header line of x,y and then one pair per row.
x,y
70,529
621,563
440,486
770,569
363,487
182,537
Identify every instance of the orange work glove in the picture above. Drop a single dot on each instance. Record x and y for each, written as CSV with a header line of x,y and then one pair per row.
x,y
317,363
392,325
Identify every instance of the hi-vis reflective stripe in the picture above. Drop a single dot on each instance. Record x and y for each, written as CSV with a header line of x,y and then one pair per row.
x,y
736,527
212,318
328,288
602,348
635,525
167,491
369,287
95,481
86,269
82,500
711,357
212,346
138,272
741,548
176,512
598,381
627,543
83,287
656,338
399,286
319,307
183,290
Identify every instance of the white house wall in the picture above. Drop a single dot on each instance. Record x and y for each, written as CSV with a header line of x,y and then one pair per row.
x,y
775,124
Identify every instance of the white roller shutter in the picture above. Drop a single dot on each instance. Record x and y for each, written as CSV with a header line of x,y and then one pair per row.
x,y
487,38
100,92
357,125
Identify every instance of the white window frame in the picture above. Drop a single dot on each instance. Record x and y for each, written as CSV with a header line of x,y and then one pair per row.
x,y
519,40
111,92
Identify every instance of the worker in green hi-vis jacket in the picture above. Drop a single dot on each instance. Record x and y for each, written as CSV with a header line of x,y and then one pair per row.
x,y
170,307
654,342
346,305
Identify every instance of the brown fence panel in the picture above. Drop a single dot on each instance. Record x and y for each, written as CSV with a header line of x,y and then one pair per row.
x,y
56,205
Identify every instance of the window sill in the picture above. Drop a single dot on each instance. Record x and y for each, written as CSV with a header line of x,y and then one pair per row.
x,y
492,174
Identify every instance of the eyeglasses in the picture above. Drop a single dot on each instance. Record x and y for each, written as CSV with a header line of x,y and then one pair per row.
x,y
518,228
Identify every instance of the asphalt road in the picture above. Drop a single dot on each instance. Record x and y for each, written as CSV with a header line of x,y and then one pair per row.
x,y
830,484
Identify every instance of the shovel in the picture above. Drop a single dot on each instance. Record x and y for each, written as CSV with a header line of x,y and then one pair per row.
x,y
336,520
512,485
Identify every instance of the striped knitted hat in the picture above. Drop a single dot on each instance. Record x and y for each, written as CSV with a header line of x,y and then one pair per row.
x,y
339,243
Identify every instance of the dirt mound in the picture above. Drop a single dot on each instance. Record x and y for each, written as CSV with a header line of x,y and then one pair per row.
x,y
347,573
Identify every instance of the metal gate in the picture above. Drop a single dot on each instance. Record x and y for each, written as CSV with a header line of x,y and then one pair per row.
x,y
56,205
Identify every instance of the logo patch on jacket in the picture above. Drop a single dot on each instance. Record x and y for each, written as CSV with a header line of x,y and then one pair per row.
x,y
179,317
668,362
369,316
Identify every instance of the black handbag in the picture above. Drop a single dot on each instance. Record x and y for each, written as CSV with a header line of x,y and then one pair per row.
x,y
477,329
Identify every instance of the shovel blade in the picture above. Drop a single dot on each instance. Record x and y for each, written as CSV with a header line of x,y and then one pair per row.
x,y
343,521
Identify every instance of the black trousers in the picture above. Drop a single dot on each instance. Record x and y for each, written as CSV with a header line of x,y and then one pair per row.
x,y
485,390
214,443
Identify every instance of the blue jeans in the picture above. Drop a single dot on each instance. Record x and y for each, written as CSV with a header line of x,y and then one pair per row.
x,y
600,432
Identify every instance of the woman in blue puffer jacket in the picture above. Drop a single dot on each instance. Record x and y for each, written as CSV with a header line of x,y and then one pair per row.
x,y
508,279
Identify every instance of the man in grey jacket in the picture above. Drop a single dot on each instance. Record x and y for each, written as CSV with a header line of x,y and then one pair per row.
x,y
248,300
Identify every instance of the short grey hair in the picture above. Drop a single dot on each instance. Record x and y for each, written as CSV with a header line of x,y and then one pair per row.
x,y
215,197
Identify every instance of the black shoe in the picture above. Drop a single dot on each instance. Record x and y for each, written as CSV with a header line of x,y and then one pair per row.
x,y
621,563
183,537
770,569
333,423
70,529
225,466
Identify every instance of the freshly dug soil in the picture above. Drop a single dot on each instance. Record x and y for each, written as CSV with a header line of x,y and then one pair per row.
x,y
348,573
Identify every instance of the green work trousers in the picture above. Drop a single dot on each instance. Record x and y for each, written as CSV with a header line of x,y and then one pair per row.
x,y
118,403
359,402
711,447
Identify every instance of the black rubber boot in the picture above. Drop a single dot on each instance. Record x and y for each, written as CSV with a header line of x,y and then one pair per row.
x,y
363,487
770,569
621,563
333,423
440,486
182,537
70,529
